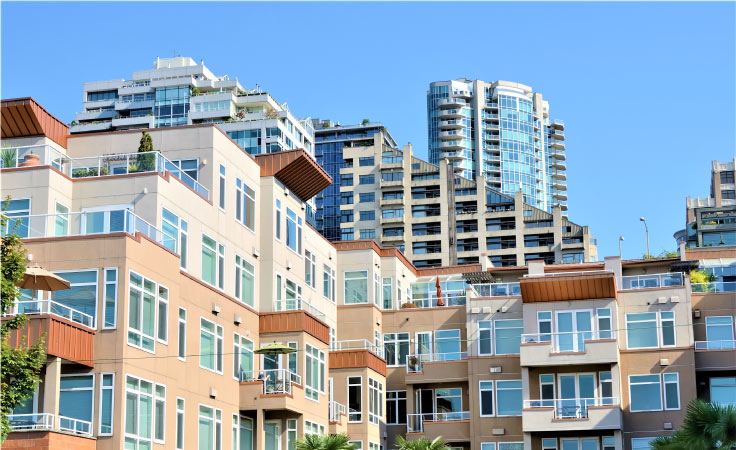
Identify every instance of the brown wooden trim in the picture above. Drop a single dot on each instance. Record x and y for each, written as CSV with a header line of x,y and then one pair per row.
x,y
356,359
293,321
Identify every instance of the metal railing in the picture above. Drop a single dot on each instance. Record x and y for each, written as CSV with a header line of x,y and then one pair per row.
x,y
84,223
714,286
75,426
275,381
357,344
497,289
567,341
415,422
650,281
572,408
47,156
414,362
298,304
450,298
37,307
31,422
336,410
715,345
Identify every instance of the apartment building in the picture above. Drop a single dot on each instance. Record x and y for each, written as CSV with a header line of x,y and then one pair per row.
x,y
503,131
438,218
711,222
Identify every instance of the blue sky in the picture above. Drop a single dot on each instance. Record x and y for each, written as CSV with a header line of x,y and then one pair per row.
x,y
646,90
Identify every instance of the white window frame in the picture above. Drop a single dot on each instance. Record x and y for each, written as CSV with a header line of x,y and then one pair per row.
x,y
495,329
375,401
659,383
387,282
216,424
398,397
238,421
219,252
676,375
103,388
492,390
242,197
114,285
180,412
358,413
223,188
96,285
377,290
329,277
482,328
156,401
139,332
312,352
661,329
310,269
495,385
277,220
241,267
296,222
159,302
218,337
345,286
540,321
139,393
239,345
181,337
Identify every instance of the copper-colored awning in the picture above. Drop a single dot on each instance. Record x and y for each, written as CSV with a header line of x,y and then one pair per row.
x,y
297,170
568,286
22,117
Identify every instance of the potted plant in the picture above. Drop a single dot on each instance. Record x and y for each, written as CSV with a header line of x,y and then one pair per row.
x,y
9,157
407,305
146,163
30,159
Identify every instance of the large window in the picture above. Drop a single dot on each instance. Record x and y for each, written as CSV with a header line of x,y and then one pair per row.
x,y
314,372
643,330
356,287
82,296
210,346
293,231
244,281
144,413
328,282
213,262
76,394
396,348
145,298
367,179
245,204
210,428
449,400
723,390
507,334
375,400
243,357
355,399
486,398
242,433
641,443
107,401
645,392
508,397
395,407
484,338
20,208
719,332
367,197
447,345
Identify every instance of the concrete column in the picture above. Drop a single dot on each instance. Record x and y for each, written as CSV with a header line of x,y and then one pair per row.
x,y
528,441
618,440
259,431
51,386
525,383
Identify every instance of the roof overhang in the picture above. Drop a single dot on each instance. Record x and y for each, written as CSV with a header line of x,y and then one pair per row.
x,y
571,286
25,117
297,170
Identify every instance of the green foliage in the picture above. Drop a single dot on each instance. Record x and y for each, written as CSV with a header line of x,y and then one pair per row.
x,y
701,276
9,156
325,125
146,163
146,143
195,91
366,121
328,442
421,444
706,426
19,373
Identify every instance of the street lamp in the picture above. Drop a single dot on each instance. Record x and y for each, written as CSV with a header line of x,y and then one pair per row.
x,y
620,240
646,228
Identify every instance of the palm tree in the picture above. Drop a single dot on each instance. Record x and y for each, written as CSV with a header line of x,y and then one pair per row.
x,y
325,442
706,426
421,444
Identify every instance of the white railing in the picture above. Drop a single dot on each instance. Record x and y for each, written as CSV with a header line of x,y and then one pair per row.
x,y
650,281
715,345
84,223
36,307
414,362
450,298
298,304
275,381
47,156
415,422
497,289
572,408
567,341
75,426
31,422
357,344
714,286
336,410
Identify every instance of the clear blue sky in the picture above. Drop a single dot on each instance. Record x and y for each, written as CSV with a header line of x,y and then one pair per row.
x,y
646,90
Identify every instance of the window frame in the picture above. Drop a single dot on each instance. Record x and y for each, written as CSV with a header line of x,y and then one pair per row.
x,y
659,389
358,413
103,388
223,188
181,337
520,388
676,376
114,285
243,198
395,398
481,390
218,338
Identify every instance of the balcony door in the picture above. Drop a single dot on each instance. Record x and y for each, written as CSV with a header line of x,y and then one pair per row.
x,y
273,435
425,404
579,444
573,328
104,219
576,392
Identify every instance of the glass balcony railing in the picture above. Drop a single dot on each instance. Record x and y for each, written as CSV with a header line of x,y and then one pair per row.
x,y
357,344
37,307
567,342
275,381
48,422
450,298
571,408
715,345
414,362
497,289
336,411
658,280
298,304
714,286
415,422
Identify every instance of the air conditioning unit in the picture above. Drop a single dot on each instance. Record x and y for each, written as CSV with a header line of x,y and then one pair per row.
x,y
504,309
256,253
486,310
474,310
661,300
215,308
238,319
675,299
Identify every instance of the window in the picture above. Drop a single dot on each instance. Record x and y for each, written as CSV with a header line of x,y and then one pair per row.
x,y
76,394
508,398
278,220
182,347
606,387
82,296
507,334
213,261
179,423
447,345
142,312
144,418
245,290
486,398
222,187
511,446
448,401
395,407
367,179
291,435
667,319
375,400
488,446
728,194
242,433
163,315
356,287
377,290
210,345
20,208
544,325
243,357
719,332
367,233
245,204
346,198
645,393
550,444
392,213
727,177
291,358
61,222
109,316
189,167
723,390
394,195
346,216
641,330
396,348
107,402
484,338
346,179
293,231
159,413
310,269
328,282
314,372
355,399
366,161
604,323
671,390
174,232
641,443
367,215
373,446
547,389
313,428
210,428
368,197
387,293
357,445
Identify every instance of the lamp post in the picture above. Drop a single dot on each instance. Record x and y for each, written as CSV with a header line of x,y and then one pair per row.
x,y
646,228
620,240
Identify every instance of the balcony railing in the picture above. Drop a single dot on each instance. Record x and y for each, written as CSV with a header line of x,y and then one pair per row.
x,y
415,422
298,304
450,298
657,280
37,307
49,422
275,381
414,362
85,223
357,344
572,408
336,410
497,289
75,426
567,342
715,286
715,345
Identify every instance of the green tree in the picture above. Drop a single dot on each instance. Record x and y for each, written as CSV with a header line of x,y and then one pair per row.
x,y
706,426
146,163
327,442
421,444
366,121
19,373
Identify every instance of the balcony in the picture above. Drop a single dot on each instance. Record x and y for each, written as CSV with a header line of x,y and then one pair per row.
x,y
557,124
653,281
557,144
391,183
49,422
90,127
497,290
436,367
578,414
490,117
146,121
452,145
271,390
491,137
449,298
293,321
713,287
558,134
96,114
450,124
392,239
389,220
298,304
554,349
452,102
337,412
452,426
356,344
393,201
450,114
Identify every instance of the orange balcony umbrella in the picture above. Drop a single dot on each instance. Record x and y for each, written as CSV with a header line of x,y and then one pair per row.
x,y
437,284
